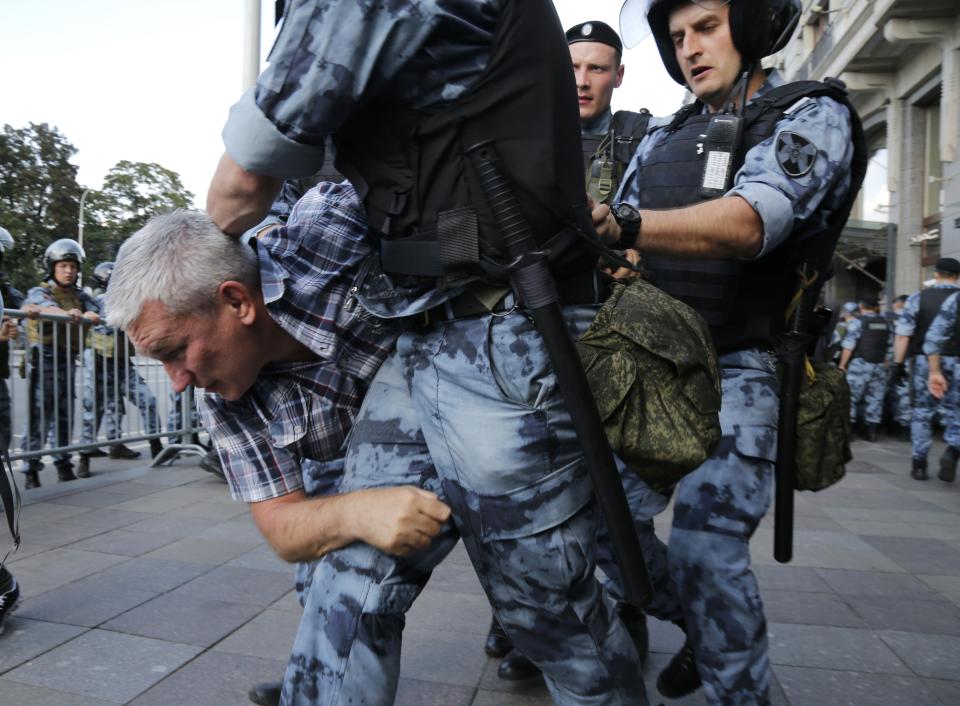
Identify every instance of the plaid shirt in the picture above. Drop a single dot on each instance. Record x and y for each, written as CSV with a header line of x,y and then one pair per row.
x,y
304,410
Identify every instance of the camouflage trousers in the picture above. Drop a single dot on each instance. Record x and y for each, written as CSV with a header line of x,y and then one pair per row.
x,y
868,383
703,576
50,393
106,381
926,405
904,409
470,410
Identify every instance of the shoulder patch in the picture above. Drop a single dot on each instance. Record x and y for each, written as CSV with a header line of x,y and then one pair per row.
x,y
795,154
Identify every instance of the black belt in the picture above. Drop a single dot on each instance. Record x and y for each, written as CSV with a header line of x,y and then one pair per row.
x,y
592,287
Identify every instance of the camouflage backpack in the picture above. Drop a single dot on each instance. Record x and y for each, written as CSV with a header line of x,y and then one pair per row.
x,y
823,428
651,365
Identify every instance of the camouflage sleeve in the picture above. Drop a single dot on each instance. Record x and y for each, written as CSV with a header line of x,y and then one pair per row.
x,y
942,328
908,317
330,55
850,338
796,178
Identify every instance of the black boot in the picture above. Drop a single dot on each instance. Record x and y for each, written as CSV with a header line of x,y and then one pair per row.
x,y
636,623
123,452
516,667
919,470
948,464
680,677
31,479
266,694
498,644
65,471
872,432
96,453
83,469
155,447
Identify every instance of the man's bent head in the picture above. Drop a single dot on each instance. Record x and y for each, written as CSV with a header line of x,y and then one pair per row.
x,y
188,295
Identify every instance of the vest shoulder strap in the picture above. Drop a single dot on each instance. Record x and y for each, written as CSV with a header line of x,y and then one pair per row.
x,y
629,123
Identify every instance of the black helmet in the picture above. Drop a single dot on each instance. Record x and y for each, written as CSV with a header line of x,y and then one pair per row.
x,y
60,250
101,274
759,27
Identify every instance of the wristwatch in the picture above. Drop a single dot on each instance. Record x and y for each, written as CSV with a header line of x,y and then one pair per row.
x,y
629,220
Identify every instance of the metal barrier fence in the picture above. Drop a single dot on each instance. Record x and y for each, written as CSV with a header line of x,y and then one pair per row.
x,y
78,387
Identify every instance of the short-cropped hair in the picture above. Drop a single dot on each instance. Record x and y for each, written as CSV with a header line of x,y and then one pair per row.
x,y
178,259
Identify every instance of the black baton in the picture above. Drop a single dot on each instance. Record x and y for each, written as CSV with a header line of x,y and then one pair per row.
x,y
531,278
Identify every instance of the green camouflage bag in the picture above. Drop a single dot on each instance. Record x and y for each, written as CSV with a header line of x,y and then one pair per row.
x,y
823,428
651,365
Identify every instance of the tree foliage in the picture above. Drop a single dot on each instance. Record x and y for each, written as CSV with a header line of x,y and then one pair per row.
x,y
40,200
39,195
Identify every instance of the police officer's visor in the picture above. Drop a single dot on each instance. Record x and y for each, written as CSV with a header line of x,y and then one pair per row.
x,y
634,27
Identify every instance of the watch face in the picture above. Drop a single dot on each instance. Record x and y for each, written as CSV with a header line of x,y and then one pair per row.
x,y
626,212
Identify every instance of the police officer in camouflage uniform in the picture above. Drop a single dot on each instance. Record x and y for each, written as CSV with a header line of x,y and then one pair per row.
x,y
52,355
901,387
609,139
942,336
911,330
865,346
472,388
109,375
723,233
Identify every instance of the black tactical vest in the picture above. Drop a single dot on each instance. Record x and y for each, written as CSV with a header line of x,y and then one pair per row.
x,y
607,156
930,302
874,338
744,302
419,190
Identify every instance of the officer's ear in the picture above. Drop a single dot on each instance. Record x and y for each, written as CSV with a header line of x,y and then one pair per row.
x,y
619,80
239,300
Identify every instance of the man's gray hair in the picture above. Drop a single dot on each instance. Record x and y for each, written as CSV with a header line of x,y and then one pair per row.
x,y
178,259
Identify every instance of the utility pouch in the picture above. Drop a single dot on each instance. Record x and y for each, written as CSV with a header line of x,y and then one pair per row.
x,y
823,428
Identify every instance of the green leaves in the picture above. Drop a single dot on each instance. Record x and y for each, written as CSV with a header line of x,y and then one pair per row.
x,y
40,200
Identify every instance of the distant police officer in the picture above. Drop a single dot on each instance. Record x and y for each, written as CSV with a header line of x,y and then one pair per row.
x,y
724,201
942,336
53,351
918,314
848,312
865,346
900,384
109,375
609,139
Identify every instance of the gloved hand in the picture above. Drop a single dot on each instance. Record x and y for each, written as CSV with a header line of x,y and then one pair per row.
x,y
899,373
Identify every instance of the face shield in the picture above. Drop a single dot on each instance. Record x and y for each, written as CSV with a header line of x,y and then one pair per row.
x,y
634,27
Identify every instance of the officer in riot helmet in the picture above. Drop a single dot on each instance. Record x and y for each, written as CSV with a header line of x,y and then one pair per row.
x,y
53,349
726,202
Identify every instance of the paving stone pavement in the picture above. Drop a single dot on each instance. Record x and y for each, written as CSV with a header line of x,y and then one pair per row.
x,y
151,587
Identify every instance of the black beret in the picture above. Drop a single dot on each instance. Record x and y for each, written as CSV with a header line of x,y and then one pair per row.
x,y
948,265
869,302
595,31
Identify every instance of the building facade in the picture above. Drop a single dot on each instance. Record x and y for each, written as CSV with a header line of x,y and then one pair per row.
x,y
900,60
